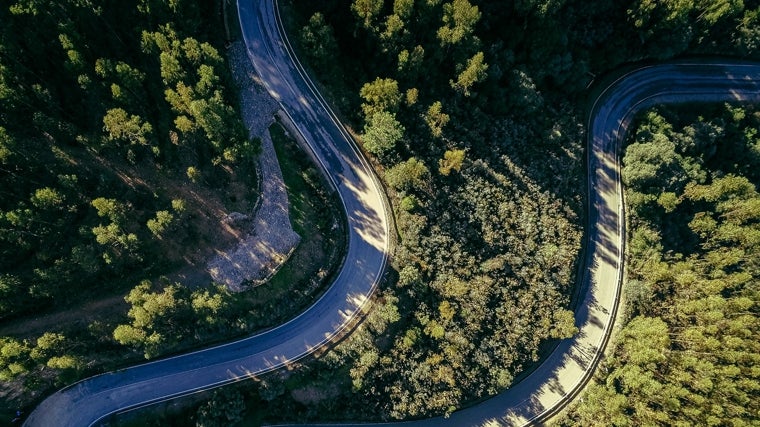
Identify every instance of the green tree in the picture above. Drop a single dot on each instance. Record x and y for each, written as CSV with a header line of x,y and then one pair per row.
x,y
564,324
319,42
161,223
727,188
452,160
118,240
653,165
527,98
393,33
540,7
410,63
7,145
212,115
162,320
120,127
193,173
382,133
13,295
473,72
602,405
436,119
127,82
209,307
179,206
226,407
412,95
671,25
747,35
408,175
403,8
110,208
54,351
367,11
171,69
158,319
15,358
47,198
459,19
380,95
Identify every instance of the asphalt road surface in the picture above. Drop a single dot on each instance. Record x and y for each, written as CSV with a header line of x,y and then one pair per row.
x,y
562,375
537,396
94,399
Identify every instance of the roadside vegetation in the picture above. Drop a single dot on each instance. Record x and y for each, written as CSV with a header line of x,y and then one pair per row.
x,y
121,150
317,216
689,351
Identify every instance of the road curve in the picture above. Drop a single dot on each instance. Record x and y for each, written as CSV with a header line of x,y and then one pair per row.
x,y
562,375
551,384
94,399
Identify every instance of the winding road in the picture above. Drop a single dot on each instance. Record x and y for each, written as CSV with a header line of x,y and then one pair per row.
x,y
539,395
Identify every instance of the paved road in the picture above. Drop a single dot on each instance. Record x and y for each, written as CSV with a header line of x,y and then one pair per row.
x,y
534,398
96,398
569,367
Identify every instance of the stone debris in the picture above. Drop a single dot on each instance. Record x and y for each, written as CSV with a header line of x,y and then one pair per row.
x,y
235,218
270,239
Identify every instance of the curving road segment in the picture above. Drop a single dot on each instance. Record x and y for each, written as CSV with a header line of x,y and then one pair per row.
x,y
564,373
94,399
556,381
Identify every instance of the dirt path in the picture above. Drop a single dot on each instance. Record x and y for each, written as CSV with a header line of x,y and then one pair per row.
x,y
79,316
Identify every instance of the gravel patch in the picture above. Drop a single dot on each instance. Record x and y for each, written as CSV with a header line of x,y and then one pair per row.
x,y
270,238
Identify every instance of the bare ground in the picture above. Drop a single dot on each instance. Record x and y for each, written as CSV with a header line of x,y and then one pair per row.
x,y
271,239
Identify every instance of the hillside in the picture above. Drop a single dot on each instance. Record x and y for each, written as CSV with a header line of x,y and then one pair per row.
x,y
114,148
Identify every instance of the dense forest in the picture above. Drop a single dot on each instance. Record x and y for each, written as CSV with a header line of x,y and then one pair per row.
x,y
121,148
474,112
121,151
689,352
103,105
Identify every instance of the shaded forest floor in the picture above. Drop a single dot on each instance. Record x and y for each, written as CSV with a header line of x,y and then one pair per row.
x,y
289,291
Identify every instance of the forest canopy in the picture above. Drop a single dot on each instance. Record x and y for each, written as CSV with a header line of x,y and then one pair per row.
x,y
102,105
119,131
689,352
473,113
